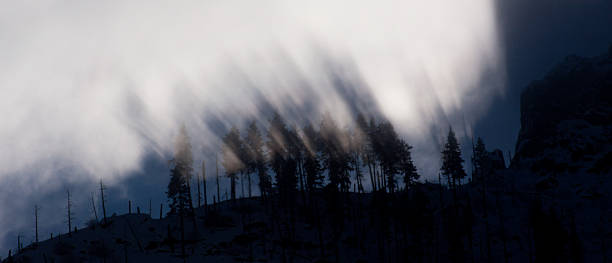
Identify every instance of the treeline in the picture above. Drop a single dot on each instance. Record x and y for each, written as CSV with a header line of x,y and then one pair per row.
x,y
284,160
325,165
312,158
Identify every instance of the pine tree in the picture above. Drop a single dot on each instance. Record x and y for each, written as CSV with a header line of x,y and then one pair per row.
x,y
479,161
452,163
363,139
389,153
256,159
335,155
355,146
279,157
377,153
294,160
407,166
233,157
179,192
69,214
388,149
312,164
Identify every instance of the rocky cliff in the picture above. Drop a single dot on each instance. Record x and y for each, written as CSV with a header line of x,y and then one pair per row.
x,y
566,119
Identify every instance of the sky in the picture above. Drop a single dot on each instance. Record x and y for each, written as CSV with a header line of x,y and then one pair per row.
x,y
96,90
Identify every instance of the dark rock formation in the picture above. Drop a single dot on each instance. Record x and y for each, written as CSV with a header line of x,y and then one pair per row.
x,y
566,119
496,160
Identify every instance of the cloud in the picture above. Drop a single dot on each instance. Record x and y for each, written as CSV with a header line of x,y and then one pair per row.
x,y
91,87
93,84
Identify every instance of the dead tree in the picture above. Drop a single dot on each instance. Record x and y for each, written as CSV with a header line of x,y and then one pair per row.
x,y
103,200
69,214
36,208
204,184
199,193
217,170
93,207
19,243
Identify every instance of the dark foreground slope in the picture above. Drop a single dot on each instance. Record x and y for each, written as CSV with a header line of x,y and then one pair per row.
x,y
324,227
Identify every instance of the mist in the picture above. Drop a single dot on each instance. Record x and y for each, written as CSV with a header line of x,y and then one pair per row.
x,y
90,88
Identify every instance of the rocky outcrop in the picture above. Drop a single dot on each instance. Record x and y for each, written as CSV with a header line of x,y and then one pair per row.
x,y
495,160
566,119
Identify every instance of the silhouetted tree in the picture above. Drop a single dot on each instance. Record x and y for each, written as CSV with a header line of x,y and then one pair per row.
x,y
256,159
204,184
179,190
295,149
377,152
480,171
355,146
103,201
363,134
181,171
36,209
312,164
233,156
199,192
93,207
69,213
335,155
479,161
279,156
407,166
388,149
452,163
217,178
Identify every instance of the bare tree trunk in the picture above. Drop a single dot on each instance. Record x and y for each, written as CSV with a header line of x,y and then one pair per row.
x,y
378,180
36,208
233,186
242,185
199,194
193,215
217,169
383,177
69,206
249,180
93,206
371,174
204,184
440,188
103,201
